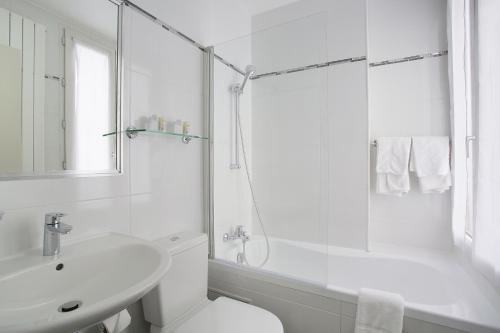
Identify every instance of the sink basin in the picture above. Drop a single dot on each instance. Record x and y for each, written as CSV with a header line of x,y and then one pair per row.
x,y
95,278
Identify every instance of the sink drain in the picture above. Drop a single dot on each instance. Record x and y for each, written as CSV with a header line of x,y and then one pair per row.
x,y
70,306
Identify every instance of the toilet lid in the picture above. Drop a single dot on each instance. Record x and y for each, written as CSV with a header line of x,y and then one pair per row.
x,y
226,315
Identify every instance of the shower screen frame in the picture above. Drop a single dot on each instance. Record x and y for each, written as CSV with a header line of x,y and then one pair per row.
x,y
208,88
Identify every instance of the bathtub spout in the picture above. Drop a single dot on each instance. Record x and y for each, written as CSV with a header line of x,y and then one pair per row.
x,y
240,258
239,233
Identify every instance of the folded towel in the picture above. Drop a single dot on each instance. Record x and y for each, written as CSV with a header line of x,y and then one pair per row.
x,y
393,155
379,312
117,323
430,159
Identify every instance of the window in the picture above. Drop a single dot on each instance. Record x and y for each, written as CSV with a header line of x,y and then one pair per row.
x,y
470,41
90,110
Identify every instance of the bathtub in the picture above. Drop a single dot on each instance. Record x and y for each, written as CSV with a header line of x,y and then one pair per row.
x,y
438,289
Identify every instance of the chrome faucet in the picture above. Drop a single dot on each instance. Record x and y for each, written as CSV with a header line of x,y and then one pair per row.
x,y
238,233
53,228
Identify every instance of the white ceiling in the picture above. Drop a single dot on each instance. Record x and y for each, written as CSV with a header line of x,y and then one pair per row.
x,y
259,6
96,15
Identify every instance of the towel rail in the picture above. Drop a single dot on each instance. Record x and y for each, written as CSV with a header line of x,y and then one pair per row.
x,y
374,143
410,58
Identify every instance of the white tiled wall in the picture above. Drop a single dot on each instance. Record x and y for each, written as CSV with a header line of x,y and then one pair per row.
x,y
160,191
310,129
408,99
405,99
166,176
286,115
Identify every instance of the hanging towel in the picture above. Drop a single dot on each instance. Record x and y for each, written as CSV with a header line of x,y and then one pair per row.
x,y
393,155
117,323
430,159
379,312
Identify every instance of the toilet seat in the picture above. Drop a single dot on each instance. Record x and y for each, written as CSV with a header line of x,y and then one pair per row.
x,y
226,315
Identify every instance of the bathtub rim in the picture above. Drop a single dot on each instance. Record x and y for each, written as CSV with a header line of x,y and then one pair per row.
x,y
344,295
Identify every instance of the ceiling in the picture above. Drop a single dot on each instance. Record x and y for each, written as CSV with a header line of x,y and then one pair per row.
x,y
96,15
258,6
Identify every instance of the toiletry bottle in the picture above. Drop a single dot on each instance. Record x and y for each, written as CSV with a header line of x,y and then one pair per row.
x,y
170,126
153,122
161,124
185,127
178,126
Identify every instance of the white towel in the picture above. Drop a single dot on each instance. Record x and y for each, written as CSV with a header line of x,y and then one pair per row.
x,y
393,155
117,323
430,159
379,312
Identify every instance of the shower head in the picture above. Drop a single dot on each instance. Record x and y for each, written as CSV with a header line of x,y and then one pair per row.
x,y
249,71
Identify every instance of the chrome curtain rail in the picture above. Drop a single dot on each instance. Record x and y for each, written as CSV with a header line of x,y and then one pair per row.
x,y
53,77
228,64
306,68
180,34
163,24
410,58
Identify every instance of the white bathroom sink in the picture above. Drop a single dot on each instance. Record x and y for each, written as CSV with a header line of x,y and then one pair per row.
x,y
105,273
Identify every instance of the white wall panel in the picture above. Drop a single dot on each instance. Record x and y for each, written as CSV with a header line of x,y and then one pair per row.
x,y
348,153
39,99
10,106
4,27
28,93
408,99
16,31
312,167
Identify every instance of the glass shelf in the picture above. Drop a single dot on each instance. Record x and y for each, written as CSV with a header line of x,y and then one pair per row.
x,y
133,132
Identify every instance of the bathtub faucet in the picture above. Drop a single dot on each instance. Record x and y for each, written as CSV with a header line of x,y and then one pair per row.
x,y
238,233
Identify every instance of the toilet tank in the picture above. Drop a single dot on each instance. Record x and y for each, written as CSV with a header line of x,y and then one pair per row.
x,y
185,284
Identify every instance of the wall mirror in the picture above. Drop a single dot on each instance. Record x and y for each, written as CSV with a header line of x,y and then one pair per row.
x,y
59,88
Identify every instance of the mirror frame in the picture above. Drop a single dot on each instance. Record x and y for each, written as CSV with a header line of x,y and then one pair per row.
x,y
120,4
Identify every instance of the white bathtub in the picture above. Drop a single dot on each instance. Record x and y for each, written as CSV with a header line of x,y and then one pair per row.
x,y
436,287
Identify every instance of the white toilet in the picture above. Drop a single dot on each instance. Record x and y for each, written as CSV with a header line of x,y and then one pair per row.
x,y
179,303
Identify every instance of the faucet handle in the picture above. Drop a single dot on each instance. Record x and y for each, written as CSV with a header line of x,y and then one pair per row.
x,y
53,218
240,229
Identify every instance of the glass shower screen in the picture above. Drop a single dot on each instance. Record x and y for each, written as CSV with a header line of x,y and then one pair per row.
x,y
270,174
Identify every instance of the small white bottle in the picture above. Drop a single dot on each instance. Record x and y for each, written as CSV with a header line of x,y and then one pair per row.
x,y
185,127
171,126
162,124
178,126
153,122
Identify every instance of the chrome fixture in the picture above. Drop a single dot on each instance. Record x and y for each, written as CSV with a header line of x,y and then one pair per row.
x,y
309,67
132,133
237,90
374,142
241,258
249,72
410,58
53,228
235,159
468,140
238,233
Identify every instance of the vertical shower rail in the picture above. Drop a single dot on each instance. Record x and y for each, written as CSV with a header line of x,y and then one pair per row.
x,y
209,150
235,156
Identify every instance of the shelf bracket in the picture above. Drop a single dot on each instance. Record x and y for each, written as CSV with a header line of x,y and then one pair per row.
x,y
131,132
